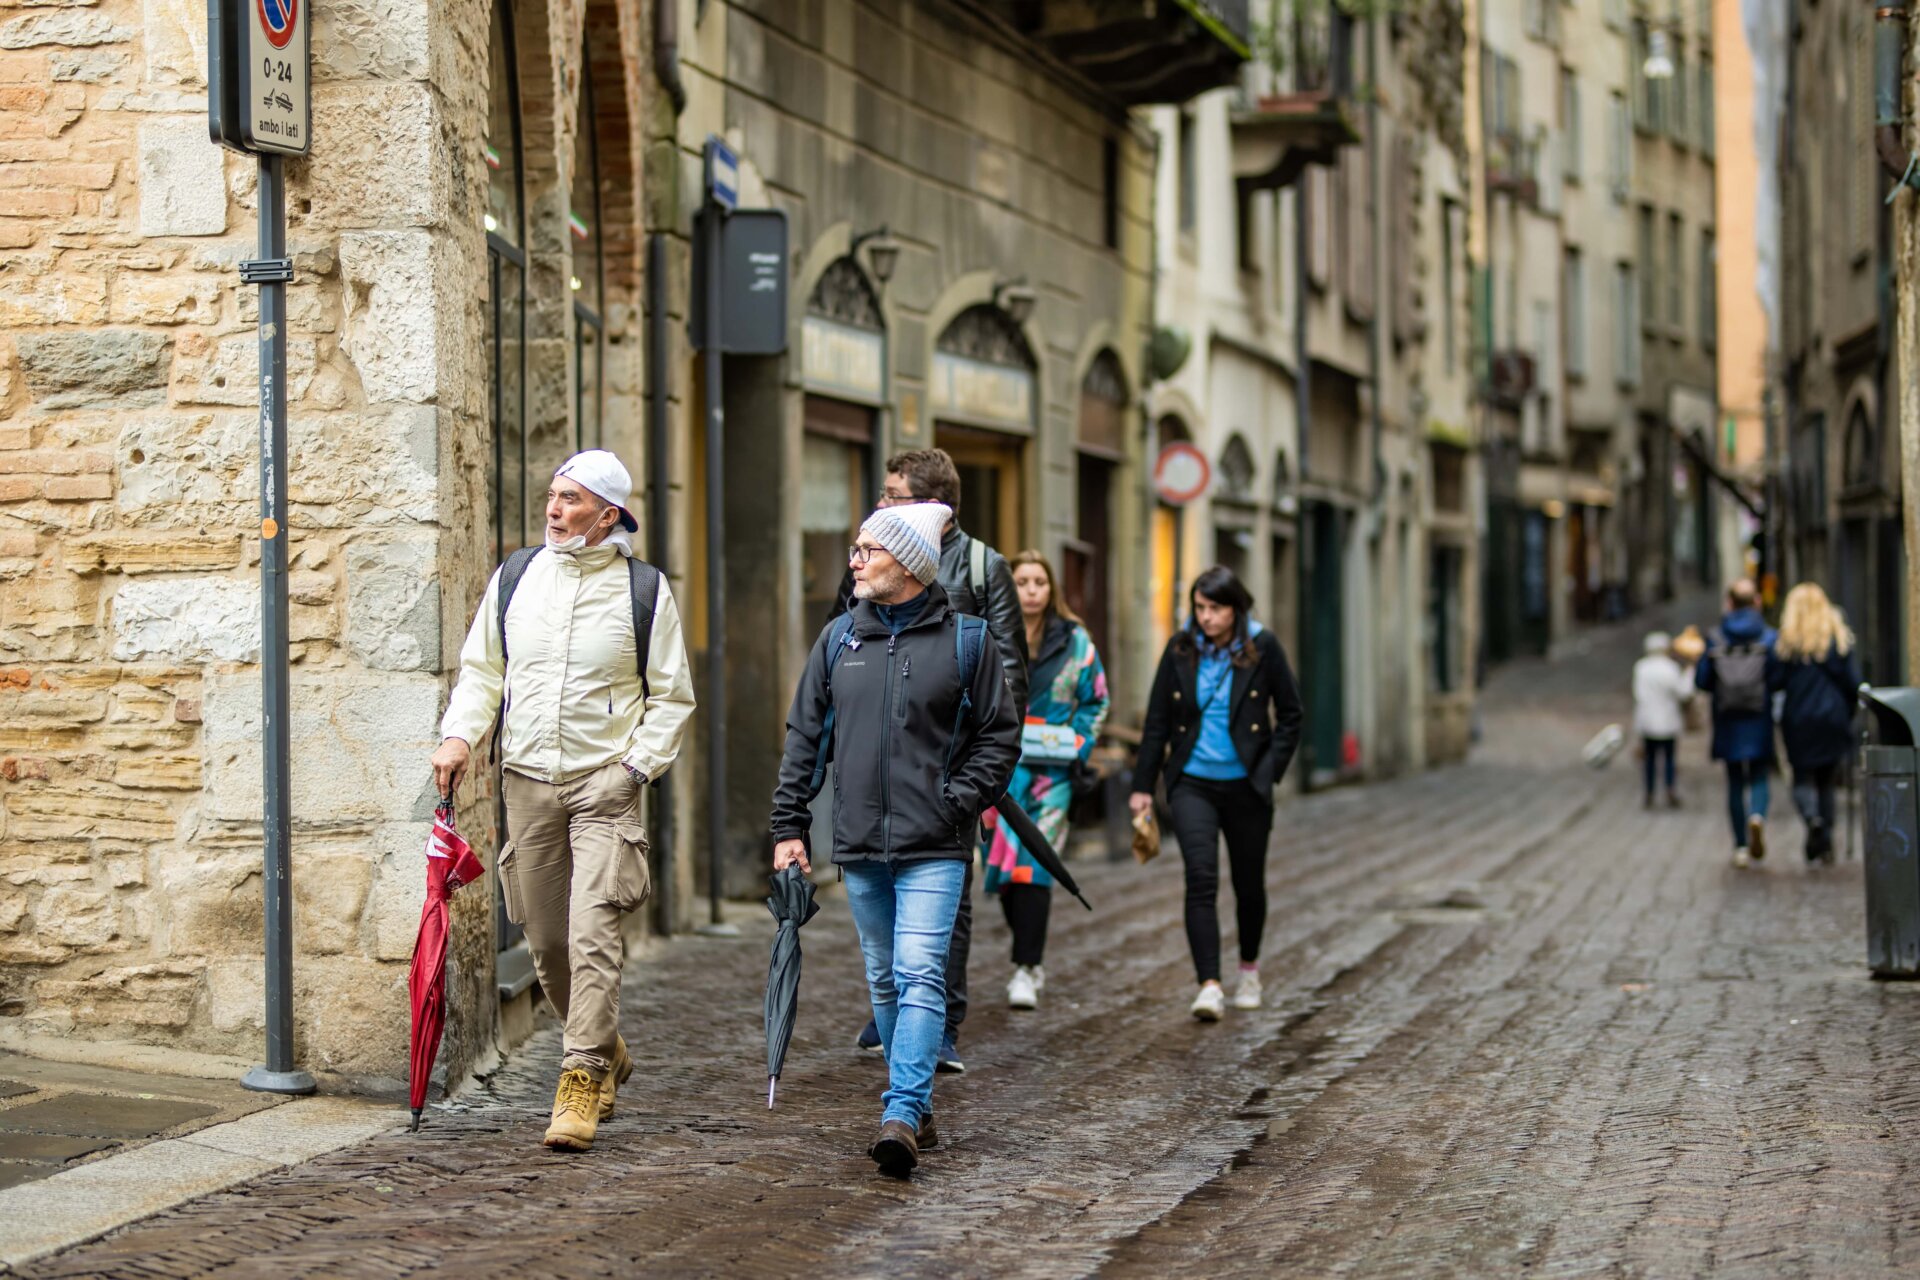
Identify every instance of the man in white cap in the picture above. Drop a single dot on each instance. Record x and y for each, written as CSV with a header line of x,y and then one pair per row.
x,y
910,701
598,693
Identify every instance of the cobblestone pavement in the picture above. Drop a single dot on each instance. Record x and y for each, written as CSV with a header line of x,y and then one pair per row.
x,y
1516,1024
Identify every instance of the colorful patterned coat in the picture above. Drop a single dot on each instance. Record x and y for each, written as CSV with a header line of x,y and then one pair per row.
x,y
1069,687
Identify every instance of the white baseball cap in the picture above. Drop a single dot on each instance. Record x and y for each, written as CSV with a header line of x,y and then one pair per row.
x,y
602,475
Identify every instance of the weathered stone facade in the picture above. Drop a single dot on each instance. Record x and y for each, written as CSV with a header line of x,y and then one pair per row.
x,y
129,617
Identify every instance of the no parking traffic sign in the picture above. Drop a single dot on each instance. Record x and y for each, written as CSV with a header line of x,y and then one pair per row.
x,y
258,57
1181,474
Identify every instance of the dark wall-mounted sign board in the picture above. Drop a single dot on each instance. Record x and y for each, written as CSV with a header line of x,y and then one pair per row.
x,y
753,282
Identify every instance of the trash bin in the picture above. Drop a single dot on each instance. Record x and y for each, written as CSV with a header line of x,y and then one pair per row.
x,y
1892,823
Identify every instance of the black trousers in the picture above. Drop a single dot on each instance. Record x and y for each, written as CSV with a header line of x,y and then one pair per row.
x,y
958,949
1813,796
1658,749
1203,811
1026,907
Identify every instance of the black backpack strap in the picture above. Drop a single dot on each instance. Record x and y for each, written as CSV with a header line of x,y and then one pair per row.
x,y
645,581
511,571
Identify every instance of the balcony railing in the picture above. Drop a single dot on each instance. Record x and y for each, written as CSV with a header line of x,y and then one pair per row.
x,y
1280,134
1139,51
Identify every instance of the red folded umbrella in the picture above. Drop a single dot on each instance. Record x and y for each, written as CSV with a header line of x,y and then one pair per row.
x,y
450,864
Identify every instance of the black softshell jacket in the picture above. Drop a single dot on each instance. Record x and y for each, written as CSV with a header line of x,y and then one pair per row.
x,y
895,698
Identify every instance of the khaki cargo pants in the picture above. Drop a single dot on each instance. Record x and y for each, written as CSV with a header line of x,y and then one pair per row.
x,y
574,863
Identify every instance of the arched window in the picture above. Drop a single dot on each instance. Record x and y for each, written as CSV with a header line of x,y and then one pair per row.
x,y
1860,465
984,399
588,281
506,312
1236,471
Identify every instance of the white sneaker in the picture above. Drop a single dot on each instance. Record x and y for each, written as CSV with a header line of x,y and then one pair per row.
x,y
1741,858
1247,994
1022,991
1210,1004
1039,977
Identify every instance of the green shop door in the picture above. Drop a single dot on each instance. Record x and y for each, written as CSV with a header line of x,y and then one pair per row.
x,y
1322,651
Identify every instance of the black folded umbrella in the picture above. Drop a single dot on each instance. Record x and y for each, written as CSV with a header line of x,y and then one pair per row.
x,y
792,905
1036,845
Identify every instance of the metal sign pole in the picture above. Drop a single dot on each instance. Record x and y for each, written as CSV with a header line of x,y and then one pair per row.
x,y
271,271
258,103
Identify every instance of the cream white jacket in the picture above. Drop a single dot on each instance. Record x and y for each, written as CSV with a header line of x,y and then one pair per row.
x,y
574,701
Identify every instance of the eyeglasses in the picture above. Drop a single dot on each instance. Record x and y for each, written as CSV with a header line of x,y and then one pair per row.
x,y
857,554
894,499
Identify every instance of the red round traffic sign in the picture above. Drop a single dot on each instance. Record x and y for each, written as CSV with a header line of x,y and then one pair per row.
x,y
1181,473
276,20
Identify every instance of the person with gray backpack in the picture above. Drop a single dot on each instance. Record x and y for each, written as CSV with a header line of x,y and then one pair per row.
x,y
1734,673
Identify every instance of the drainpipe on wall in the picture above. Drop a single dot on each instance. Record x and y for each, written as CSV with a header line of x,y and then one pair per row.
x,y
1380,273
666,68
1889,117
666,53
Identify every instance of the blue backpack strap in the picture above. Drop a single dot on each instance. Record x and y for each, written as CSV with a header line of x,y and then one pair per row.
x,y
969,639
837,639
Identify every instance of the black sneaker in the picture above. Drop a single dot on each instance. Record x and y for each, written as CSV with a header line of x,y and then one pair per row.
x,y
948,1059
870,1038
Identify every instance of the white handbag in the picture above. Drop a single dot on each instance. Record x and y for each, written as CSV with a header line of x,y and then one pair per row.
x,y
1049,744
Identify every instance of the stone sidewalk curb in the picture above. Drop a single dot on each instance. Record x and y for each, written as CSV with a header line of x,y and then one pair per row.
x,y
92,1199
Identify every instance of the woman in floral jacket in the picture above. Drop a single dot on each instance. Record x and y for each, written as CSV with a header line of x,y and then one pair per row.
x,y
1066,705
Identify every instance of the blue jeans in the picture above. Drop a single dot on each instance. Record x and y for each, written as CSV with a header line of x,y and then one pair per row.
x,y
904,912
1744,776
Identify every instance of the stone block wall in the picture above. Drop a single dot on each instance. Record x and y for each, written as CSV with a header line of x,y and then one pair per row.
x,y
130,766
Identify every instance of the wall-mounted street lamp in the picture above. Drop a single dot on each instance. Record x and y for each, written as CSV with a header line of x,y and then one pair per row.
x,y
1016,298
1659,63
883,252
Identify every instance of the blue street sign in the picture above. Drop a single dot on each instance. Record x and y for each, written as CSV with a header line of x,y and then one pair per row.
x,y
723,174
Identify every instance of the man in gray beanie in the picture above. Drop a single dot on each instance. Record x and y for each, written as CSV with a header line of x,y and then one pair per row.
x,y
906,698
977,580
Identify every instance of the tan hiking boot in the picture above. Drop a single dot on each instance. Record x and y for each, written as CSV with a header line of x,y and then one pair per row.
x,y
617,1076
576,1112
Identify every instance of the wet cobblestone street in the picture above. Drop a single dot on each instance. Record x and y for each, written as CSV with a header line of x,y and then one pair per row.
x,y
1515,1024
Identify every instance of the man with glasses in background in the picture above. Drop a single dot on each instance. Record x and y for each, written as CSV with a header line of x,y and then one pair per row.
x,y
977,581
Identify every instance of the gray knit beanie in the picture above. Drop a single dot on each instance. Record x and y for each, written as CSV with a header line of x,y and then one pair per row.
x,y
912,534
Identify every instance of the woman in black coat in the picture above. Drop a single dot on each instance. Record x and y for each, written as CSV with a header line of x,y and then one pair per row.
x,y
1222,723
1813,665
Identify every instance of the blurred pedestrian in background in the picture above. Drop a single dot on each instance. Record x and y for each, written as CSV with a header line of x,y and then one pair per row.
x,y
1661,690
1066,705
1734,671
1222,722
1815,668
